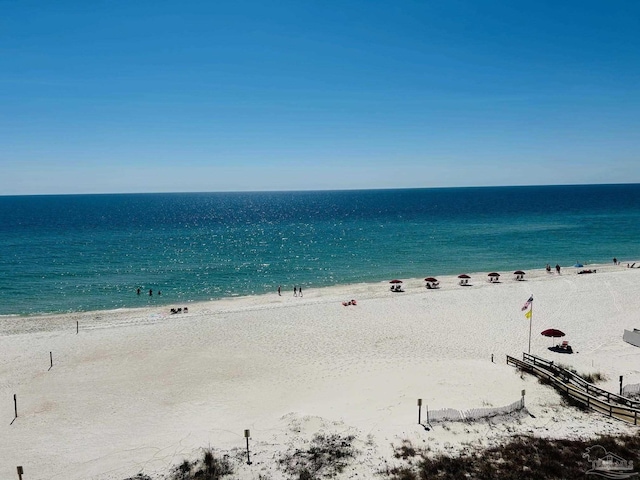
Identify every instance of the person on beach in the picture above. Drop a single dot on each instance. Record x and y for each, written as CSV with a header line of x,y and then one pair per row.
x,y
615,261
300,290
558,268
279,291
295,292
548,268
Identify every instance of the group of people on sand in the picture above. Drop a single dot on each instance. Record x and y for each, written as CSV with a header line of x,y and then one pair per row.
x,y
548,268
179,310
617,262
297,291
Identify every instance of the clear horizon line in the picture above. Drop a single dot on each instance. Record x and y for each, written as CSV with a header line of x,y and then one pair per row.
x,y
311,190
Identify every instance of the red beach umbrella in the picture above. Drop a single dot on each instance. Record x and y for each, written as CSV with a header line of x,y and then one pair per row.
x,y
430,279
395,281
553,333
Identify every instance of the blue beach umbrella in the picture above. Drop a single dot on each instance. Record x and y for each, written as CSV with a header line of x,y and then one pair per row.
x,y
578,265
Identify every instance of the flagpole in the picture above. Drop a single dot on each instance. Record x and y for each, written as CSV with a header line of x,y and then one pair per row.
x,y
530,321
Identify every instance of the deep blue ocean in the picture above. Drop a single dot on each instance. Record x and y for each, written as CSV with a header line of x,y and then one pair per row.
x,y
92,252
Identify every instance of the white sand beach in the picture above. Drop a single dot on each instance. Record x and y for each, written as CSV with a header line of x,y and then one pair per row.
x,y
141,390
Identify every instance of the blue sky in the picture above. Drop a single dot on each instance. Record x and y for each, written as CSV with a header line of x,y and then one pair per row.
x,y
158,96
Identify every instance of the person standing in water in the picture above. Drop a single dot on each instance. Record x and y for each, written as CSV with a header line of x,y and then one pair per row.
x,y
279,291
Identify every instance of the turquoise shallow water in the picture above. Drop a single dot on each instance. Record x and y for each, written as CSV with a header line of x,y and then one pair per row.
x,y
91,252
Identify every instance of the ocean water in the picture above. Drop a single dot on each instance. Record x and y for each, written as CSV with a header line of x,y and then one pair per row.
x,y
91,252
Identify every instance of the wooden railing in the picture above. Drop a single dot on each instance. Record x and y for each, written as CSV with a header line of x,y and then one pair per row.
x,y
571,378
621,412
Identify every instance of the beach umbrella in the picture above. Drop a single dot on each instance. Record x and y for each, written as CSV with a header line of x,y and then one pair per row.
x,y
430,279
395,281
553,333
519,272
464,275
493,274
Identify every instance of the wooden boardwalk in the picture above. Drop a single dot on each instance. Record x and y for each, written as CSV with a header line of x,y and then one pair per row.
x,y
575,387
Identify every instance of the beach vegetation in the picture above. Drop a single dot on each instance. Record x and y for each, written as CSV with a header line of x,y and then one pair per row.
x,y
592,377
208,467
406,450
522,458
326,456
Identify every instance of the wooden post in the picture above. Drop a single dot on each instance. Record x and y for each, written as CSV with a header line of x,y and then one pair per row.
x,y
492,358
620,384
20,472
247,434
522,398
419,409
15,405
51,360
77,327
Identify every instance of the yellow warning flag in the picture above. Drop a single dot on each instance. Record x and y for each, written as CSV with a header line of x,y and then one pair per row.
x,y
528,314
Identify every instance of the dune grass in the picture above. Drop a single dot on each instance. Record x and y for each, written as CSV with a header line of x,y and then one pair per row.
x,y
521,458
